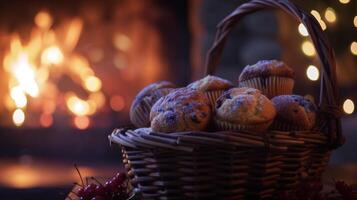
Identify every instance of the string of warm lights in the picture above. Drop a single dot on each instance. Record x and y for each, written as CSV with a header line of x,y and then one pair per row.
x,y
312,72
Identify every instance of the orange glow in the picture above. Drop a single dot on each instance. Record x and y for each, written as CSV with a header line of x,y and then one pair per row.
x,y
98,98
18,117
49,107
117,103
81,122
42,75
43,20
122,42
79,66
9,103
120,62
52,55
46,120
96,54
21,177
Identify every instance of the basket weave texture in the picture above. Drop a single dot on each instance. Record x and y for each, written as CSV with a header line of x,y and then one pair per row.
x,y
237,165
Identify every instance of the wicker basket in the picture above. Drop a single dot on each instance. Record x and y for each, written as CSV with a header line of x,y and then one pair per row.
x,y
237,165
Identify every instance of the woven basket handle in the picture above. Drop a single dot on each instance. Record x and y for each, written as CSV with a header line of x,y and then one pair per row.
x,y
329,96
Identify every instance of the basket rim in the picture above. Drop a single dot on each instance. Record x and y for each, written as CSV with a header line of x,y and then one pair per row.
x,y
225,140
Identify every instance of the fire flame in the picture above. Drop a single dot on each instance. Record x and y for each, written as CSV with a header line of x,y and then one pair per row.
x,y
29,67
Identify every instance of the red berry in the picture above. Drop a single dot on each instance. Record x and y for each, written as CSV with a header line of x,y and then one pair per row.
x,y
100,190
80,192
111,186
120,177
89,191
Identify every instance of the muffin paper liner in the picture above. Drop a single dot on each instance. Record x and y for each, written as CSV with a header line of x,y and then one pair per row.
x,y
271,86
228,126
141,114
213,96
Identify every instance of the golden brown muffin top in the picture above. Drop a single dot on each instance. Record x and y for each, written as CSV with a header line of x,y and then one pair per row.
x,y
296,110
265,68
149,90
244,106
211,83
183,109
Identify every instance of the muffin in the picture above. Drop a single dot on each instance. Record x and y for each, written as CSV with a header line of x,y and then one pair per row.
x,y
146,98
294,113
212,86
184,109
271,77
244,109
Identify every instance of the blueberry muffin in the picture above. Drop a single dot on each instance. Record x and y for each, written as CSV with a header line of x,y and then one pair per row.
x,y
146,98
184,109
212,86
244,109
294,113
271,77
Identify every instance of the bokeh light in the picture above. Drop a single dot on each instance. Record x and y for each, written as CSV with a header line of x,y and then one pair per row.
x,y
117,103
312,73
52,55
43,20
18,96
348,106
318,18
18,117
308,48
344,1
81,122
93,84
77,106
46,120
354,48
302,30
330,15
122,42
